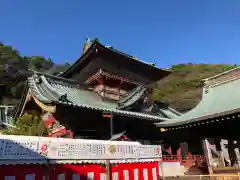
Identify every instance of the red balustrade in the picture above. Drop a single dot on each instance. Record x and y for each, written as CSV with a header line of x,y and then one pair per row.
x,y
187,158
171,158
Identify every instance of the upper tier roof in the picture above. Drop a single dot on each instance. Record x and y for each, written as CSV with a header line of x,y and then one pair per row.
x,y
51,89
116,61
220,97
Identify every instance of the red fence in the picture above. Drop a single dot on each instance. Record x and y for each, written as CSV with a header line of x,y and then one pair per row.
x,y
171,158
179,158
130,171
187,161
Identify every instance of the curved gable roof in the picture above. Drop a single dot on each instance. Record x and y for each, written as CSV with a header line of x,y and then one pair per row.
x,y
96,47
220,97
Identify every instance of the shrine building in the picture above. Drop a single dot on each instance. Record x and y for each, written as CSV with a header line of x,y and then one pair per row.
x,y
103,95
211,128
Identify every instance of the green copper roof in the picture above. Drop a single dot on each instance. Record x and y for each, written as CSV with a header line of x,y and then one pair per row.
x,y
158,108
48,90
218,100
132,97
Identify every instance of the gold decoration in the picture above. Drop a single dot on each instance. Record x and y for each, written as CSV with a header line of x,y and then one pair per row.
x,y
163,129
44,107
87,44
112,149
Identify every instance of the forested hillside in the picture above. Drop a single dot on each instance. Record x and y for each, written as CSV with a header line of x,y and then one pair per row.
x,y
182,89
14,70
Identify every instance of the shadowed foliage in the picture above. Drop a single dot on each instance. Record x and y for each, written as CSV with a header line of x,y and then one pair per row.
x,y
27,125
14,70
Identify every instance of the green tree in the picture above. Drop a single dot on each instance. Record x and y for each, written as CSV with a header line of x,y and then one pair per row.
x,y
39,63
183,88
14,71
28,125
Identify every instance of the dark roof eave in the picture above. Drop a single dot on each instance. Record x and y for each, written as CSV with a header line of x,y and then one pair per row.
x,y
196,120
167,71
91,49
113,112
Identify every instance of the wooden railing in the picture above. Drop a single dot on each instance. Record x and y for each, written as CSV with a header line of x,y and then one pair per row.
x,y
186,159
195,157
170,158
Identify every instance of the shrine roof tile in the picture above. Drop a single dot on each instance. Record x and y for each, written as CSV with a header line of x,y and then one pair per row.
x,y
132,97
160,109
48,91
218,100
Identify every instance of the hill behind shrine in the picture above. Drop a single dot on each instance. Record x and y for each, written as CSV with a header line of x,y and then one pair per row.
x,y
182,89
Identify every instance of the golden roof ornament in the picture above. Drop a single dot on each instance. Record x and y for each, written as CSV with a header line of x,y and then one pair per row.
x,y
163,129
87,44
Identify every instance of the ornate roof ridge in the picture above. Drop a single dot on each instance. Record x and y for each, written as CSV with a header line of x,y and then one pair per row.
x,y
220,74
137,93
159,103
62,81
222,78
49,87
54,77
132,57
35,91
132,93
89,42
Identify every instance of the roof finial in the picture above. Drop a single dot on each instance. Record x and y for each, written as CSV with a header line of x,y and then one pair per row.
x,y
87,44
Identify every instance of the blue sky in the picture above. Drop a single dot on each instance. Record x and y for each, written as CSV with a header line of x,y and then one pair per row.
x,y
166,32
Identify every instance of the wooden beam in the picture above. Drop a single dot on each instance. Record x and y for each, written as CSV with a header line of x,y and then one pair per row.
x,y
107,115
93,77
108,170
110,117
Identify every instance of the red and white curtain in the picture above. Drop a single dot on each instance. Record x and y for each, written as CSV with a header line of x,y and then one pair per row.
x,y
123,171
